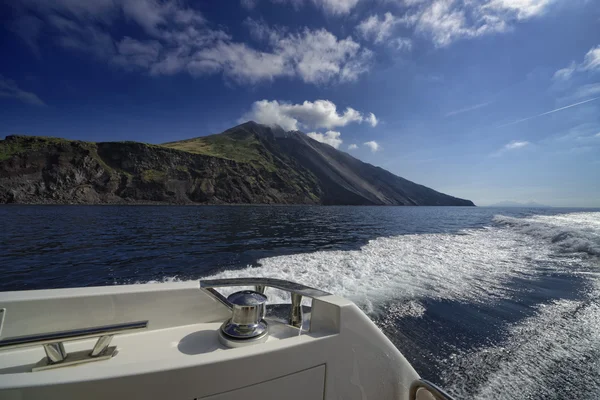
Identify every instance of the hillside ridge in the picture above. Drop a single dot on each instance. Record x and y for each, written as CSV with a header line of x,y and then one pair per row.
x,y
247,164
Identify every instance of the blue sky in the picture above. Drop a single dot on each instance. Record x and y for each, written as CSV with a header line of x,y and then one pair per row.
x,y
447,93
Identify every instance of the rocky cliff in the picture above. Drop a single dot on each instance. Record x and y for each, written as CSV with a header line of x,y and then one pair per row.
x,y
43,170
248,164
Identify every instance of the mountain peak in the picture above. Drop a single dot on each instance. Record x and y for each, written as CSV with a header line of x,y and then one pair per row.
x,y
343,179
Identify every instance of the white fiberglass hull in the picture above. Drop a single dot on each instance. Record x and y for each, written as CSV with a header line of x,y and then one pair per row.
x,y
337,353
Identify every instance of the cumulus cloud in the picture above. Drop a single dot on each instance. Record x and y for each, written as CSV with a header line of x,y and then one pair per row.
x,y
355,146
175,38
372,145
312,115
318,56
9,89
590,63
331,138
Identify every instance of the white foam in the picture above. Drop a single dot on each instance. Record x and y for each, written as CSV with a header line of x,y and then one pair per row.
x,y
555,352
550,355
474,266
572,233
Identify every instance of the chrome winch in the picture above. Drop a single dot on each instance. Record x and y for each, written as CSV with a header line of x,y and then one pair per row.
x,y
246,325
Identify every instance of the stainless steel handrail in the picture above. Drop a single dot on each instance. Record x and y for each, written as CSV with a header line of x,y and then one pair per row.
x,y
432,388
296,290
281,284
75,334
53,343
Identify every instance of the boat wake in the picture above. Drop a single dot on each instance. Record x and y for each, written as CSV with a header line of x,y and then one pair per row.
x,y
553,354
571,233
476,265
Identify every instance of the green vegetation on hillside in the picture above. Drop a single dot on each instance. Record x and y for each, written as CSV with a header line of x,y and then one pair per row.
x,y
152,175
21,144
18,144
240,146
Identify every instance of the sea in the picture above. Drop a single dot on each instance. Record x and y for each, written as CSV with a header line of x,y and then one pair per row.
x,y
489,303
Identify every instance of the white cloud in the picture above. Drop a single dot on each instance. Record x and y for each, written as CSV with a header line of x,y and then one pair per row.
x,y
376,29
318,56
373,145
597,134
336,6
586,91
175,38
314,56
354,146
446,21
381,29
372,119
317,114
239,62
331,138
516,144
523,9
590,63
331,7
260,31
271,113
401,43
9,89
565,73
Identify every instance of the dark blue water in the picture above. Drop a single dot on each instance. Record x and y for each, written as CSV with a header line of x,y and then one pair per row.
x,y
453,288
45,247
